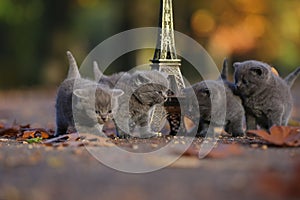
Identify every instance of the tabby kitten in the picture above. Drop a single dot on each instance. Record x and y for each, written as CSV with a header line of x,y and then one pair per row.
x,y
266,97
210,94
143,90
91,102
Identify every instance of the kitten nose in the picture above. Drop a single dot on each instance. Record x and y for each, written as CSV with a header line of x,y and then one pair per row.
x,y
104,118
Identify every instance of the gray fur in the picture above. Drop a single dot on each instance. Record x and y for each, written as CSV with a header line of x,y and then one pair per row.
x,y
266,97
290,79
97,73
73,68
93,102
143,90
211,92
112,80
224,73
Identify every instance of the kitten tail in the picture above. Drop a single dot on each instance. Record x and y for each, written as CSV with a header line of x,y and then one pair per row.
x,y
290,79
97,73
224,73
73,68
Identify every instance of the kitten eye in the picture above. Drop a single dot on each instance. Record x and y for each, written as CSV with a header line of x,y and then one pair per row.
x,y
97,112
110,111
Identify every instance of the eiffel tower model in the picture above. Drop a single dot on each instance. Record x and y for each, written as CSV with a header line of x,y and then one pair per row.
x,y
166,60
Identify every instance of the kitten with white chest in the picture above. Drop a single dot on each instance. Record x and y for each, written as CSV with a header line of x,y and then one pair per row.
x,y
213,96
91,102
266,97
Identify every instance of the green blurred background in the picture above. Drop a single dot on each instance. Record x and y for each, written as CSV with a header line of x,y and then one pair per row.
x,y
35,34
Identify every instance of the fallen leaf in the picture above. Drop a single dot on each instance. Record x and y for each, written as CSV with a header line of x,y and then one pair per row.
x,y
35,134
280,135
10,132
34,140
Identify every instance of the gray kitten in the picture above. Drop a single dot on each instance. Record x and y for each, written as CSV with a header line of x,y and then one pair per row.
x,y
91,102
142,91
212,92
266,97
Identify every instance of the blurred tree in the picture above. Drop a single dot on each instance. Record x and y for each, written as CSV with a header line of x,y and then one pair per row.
x,y
35,34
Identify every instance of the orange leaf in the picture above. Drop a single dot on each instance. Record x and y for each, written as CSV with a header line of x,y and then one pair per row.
x,y
35,134
28,134
280,135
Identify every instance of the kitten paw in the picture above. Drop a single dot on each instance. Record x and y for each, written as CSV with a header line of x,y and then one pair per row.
x,y
238,134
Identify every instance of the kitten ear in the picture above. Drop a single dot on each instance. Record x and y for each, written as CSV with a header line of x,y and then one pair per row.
x,y
117,93
256,71
97,73
236,65
73,68
141,79
81,93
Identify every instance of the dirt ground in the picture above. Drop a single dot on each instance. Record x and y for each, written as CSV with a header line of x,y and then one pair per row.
x,y
34,171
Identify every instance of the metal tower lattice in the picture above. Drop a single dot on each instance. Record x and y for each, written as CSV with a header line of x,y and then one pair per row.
x,y
165,60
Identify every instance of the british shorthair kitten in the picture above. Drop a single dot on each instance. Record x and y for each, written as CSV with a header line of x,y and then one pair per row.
x,y
89,101
266,97
211,99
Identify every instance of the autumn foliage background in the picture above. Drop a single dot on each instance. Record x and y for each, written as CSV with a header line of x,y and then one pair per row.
x,y
35,34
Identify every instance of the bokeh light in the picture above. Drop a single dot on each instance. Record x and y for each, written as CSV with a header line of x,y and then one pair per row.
x,y
36,34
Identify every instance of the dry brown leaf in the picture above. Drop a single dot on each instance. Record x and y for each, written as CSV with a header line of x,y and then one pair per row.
x,y
280,135
35,134
10,132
